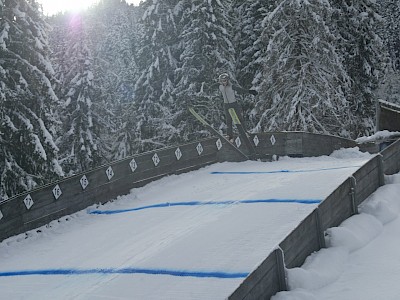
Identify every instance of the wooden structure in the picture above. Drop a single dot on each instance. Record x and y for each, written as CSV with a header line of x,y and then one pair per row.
x,y
387,116
40,206
269,277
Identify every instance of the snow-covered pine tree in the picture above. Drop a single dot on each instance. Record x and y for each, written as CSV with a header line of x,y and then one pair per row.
x,y
304,82
28,156
364,57
249,15
390,29
114,35
206,50
81,145
149,120
58,44
389,90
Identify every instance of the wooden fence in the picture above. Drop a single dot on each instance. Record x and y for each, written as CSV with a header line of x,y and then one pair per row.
x,y
40,206
308,236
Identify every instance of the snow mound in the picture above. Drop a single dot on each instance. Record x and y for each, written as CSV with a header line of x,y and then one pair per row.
x,y
325,266
384,204
319,269
379,136
354,233
389,179
354,152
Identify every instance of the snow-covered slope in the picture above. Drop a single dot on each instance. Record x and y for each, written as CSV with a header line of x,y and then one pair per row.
x,y
189,236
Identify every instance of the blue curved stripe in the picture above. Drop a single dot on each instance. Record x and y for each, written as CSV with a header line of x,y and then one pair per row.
x,y
199,203
279,171
221,275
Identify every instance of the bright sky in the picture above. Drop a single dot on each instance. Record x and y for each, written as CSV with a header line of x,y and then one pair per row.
x,y
51,7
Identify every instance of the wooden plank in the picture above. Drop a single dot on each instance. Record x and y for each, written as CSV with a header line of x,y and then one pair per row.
x,y
391,158
12,217
337,207
271,143
367,179
294,144
262,283
318,144
301,242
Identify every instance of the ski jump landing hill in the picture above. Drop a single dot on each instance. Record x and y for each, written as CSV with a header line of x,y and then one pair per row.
x,y
47,203
40,206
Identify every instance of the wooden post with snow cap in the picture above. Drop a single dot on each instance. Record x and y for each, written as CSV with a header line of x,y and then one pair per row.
x,y
353,182
281,270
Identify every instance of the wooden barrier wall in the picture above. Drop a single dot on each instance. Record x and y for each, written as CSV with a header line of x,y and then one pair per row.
x,y
40,206
298,144
308,236
391,159
45,204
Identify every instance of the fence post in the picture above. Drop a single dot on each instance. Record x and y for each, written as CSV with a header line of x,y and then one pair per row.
x,y
281,270
381,170
377,115
320,231
353,195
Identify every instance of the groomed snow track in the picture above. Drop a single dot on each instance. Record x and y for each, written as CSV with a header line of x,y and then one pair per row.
x,y
39,207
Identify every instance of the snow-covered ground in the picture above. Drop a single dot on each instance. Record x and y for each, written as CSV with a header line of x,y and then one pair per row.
x,y
362,260
195,235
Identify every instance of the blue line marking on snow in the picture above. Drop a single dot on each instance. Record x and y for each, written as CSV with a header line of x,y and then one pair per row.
x,y
221,275
278,171
199,203
304,201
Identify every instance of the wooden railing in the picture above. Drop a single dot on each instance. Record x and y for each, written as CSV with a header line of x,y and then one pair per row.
x,y
38,207
269,277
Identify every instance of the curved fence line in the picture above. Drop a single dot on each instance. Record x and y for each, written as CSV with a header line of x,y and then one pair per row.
x,y
270,276
203,203
40,206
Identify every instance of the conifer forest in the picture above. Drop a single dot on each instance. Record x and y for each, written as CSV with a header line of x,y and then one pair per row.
x,y
80,90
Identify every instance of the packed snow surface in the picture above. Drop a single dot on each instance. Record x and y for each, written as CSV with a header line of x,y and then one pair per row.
x,y
362,258
193,236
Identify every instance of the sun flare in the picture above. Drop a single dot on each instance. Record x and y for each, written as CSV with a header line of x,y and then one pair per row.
x,y
51,7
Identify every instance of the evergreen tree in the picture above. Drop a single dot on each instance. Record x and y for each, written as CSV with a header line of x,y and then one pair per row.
x,y
389,90
115,51
248,28
249,15
206,50
151,113
364,55
113,41
304,81
390,29
28,156
81,144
